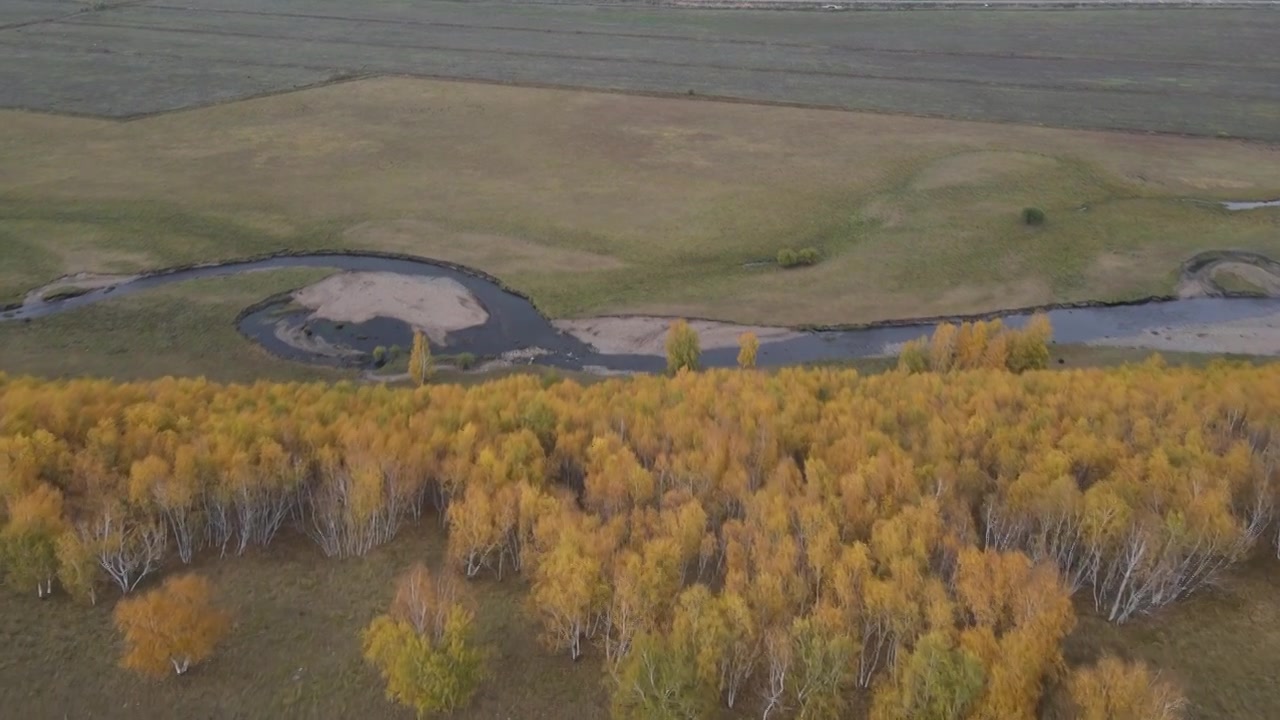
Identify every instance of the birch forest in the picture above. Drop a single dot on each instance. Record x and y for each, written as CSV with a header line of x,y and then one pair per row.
x,y
810,543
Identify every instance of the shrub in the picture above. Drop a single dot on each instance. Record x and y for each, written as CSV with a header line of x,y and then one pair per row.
x,y
380,356
1033,216
789,258
464,361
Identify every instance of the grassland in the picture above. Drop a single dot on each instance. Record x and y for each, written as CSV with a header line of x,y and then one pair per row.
x,y
294,649
599,203
1116,68
187,329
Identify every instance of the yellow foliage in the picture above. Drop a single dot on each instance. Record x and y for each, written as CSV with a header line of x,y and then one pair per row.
x,y
935,519
420,364
683,348
748,346
1116,690
170,628
423,646
977,345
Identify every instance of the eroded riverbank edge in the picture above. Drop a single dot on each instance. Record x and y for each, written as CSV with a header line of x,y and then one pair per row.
x,y
634,342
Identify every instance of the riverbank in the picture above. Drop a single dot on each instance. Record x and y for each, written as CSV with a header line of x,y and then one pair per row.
x,y
379,300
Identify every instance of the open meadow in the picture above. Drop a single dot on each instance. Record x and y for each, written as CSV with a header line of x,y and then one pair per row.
x,y
608,159
601,203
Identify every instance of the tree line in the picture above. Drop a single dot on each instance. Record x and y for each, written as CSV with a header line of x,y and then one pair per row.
x,y
810,543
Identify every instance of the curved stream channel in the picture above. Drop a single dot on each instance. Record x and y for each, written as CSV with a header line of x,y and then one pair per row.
x,y
514,324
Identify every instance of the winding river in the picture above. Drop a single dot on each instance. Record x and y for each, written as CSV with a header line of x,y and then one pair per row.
x,y
514,324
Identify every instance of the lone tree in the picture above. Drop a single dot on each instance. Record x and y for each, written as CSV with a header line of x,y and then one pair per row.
x,y
420,364
175,626
748,345
423,647
683,350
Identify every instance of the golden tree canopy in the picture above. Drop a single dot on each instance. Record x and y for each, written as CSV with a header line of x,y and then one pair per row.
x,y
172,627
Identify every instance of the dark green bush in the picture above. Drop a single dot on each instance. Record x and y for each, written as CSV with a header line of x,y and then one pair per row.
x,y
789,258
380,355
464,361
1033,216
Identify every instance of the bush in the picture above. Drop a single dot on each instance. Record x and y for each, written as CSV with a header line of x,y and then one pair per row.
x,y
789,258
1033,216
464,361
380,356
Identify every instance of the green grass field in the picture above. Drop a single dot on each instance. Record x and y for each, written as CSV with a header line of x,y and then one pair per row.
x,y
600,203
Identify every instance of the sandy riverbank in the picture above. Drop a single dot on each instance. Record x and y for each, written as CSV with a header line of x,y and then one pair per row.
x,y
436,306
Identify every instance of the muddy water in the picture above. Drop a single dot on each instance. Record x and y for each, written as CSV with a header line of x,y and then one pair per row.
x,y
515,324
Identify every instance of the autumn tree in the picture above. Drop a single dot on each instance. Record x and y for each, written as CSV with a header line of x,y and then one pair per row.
x,y
823,655
420,363
1029,349
658,680
939,681
28,543
809,537
1115,690
683,348
914,356
570,592
423,647
748,346
78,569
171,627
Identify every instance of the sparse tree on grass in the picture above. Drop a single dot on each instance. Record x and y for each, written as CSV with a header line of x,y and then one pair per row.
x,y
420,363
683,349
748,345
170,628
423,647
